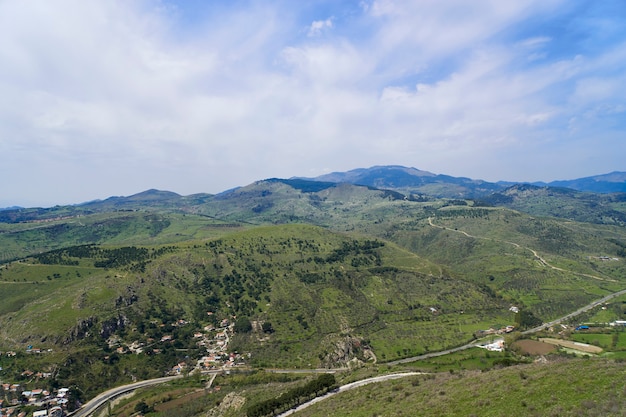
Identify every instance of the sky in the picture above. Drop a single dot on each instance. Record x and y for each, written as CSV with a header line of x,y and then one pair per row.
x,y
107,98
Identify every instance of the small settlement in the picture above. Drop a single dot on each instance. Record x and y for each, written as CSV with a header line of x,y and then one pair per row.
x,y
214,339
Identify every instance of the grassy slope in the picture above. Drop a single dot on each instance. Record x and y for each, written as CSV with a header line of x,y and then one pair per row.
x,y
563,203
530,390
18,240
302,279
495,247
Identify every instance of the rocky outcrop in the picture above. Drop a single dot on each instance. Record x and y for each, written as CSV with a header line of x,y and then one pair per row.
x,y
87,326
347,351
79,331
112,325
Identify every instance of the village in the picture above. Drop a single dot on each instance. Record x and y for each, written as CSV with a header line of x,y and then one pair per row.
x,y
15,400
22,399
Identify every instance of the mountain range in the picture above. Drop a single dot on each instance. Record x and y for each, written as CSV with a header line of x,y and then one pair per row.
x,y
438,185
394,177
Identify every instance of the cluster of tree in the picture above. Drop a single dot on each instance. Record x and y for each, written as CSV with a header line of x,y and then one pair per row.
x,y
466,213
526,319
115,258
354,247
293,397
103,257
621,245
66,256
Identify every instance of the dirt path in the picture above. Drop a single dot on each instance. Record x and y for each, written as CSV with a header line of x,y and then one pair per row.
x,y
538,257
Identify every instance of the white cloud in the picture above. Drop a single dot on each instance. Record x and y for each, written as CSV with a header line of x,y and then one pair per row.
x,y
319,26
128,96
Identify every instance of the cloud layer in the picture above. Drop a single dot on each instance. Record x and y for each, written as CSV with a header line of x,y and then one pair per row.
x,y
113,97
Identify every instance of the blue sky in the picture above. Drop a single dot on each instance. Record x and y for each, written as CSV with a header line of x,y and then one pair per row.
x,y
113,97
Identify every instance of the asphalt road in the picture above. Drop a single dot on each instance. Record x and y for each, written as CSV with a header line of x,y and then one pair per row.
x,y
347,387
575,313
101,399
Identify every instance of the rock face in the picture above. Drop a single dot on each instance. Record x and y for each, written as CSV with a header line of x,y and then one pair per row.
x,y
347,352
112,325
231,402
128,299
79,331
84,327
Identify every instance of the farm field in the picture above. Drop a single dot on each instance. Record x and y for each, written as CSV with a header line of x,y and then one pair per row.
x,y
583,347
534,347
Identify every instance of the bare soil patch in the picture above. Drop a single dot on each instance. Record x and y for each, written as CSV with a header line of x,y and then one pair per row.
x,y
583,347
534,347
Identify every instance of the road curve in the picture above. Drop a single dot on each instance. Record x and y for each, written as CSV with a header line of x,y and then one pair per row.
x,y
347,387
102,398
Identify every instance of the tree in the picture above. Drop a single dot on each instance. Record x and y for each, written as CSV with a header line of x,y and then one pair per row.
x,y
267,327
143,408
243,325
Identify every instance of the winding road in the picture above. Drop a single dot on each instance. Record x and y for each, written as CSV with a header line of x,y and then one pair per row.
x,y
90,407
517,245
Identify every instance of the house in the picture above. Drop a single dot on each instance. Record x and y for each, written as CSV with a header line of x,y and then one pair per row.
x,y
41,413
56,412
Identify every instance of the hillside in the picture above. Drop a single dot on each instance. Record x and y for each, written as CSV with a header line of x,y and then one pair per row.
x,y
563,203
292,273
614,182
329,299
409,180
542,389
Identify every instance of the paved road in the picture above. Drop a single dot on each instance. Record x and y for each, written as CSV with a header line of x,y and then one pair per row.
x,y
575,313
529,331
101,399
347,387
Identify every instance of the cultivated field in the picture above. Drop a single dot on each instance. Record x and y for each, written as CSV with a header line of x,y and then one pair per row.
x,y
583,347
533,347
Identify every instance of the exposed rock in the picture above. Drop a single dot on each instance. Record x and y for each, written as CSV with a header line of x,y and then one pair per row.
x,y
128,299
112,325
79,331
231,402
348,351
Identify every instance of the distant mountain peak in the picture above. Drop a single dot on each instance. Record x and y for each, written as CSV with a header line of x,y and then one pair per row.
x,y
413,180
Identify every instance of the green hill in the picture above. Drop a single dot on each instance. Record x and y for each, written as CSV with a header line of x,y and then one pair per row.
x,y
301,274
563,203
